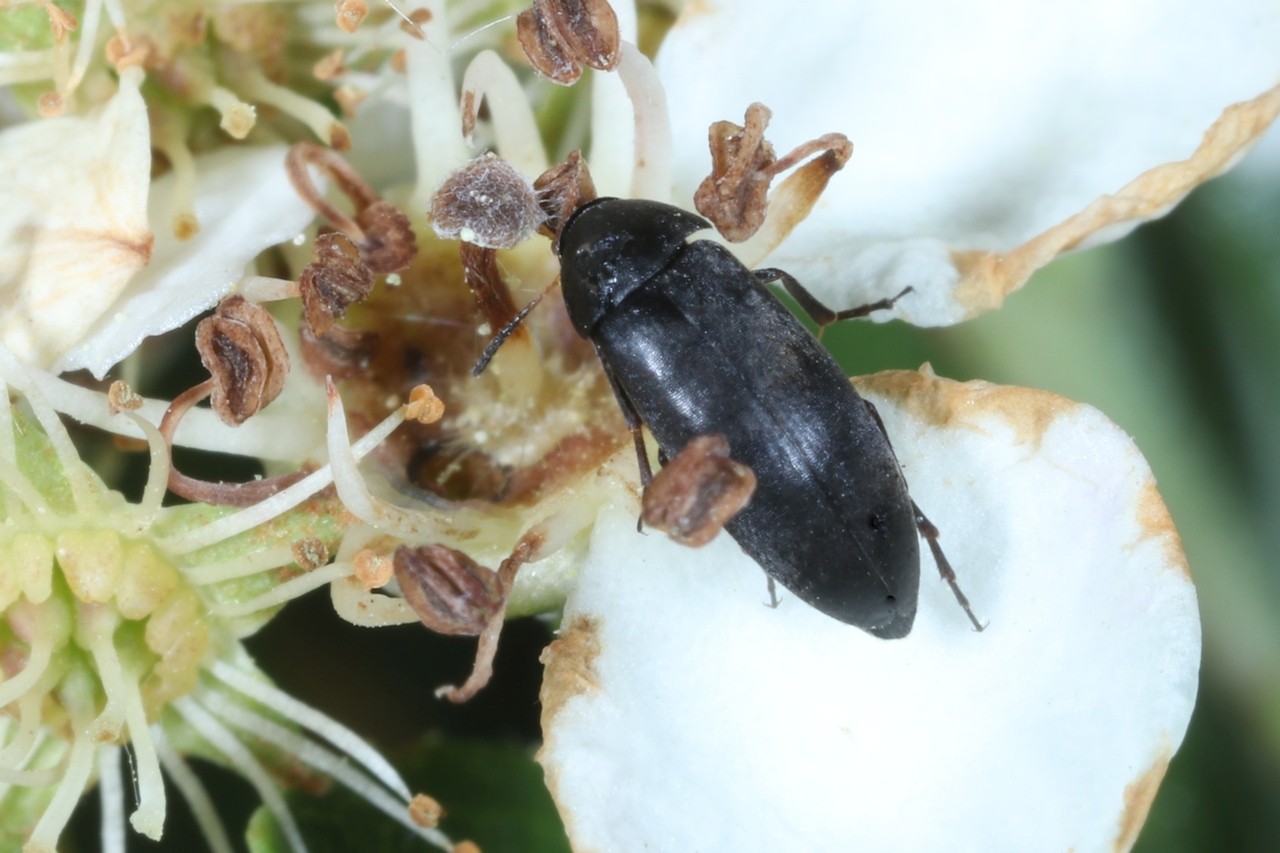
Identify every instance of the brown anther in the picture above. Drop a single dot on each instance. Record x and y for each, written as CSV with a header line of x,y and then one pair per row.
x,y
450,592
329,66
561,36
334,280
50,104
390,244
453,594
349,14
399,61
561,190
487,203
379,231
418,19
240,346
424,406
425,811
310,553
61,21
340,353
466,847
122,398
735,195
372,570
696,492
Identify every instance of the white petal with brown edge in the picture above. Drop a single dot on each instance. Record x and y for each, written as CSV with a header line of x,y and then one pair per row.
x,y
73,221
245,204
988,137
682,713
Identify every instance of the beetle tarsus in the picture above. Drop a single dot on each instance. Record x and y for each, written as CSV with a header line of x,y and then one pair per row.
x,y
774,601
820,314
930,533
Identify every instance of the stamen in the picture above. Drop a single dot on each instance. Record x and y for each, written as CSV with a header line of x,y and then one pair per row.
x,y
261,288
44,837
85,47
652,175
319,758
515,131
340,736
169,131
157,473
38,659
281,502
238,118
13,373
245,764
435,121
318,119
360,502
284,592
193,791
111,796
28,66
148,818
95,629
240,567
362,608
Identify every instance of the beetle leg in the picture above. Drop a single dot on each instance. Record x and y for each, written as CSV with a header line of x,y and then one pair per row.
x,y
819,313
931,533
634,425
774,601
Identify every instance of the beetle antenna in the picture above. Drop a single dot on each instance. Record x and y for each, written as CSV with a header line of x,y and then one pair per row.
x,y
508,330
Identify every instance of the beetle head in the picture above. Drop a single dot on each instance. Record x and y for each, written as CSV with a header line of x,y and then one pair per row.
x,y
610,247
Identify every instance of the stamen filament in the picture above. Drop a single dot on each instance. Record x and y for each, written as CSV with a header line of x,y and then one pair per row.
x,y
148,818
318,119
37,661
240,567
319,758
245,764
281,502
652,175
284,592
346,740
514,129
28,66
44,837
111,796
436,124
193,791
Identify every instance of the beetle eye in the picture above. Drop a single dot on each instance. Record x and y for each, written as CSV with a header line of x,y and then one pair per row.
x,y
875,521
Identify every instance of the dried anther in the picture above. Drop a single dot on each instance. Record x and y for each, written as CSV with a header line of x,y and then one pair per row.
x,y
379,231
310,553
698,491
335,279
561,36
734,195
453,594
561,190
487,203
450,592
240,346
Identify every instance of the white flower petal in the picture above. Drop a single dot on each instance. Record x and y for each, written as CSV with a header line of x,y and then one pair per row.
x,y
73,223
681,713
245,204
989,137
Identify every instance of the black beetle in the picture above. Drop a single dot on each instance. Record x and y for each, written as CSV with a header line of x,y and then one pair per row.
x,y
694,344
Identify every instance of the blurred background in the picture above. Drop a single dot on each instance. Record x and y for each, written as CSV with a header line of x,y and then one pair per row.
x,y
1173,332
